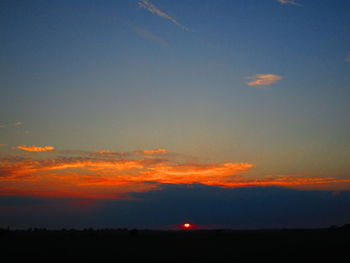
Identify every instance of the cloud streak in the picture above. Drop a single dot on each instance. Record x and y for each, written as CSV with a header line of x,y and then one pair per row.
x,y
15,124
152,152
155,10
263,79
18,123
149,35
288,2
35,148
146,34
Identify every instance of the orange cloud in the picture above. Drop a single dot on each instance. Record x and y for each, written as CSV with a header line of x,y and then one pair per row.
x,y
263,79
35,148
106,177
152,152
113,177
298,182
214,174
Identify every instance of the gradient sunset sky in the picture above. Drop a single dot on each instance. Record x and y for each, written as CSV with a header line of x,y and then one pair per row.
x,y
140,106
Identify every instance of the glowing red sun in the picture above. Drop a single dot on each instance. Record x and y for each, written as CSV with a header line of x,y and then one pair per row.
x,y
187,226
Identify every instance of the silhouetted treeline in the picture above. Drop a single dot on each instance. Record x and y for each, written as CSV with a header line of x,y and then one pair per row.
x,y
220,245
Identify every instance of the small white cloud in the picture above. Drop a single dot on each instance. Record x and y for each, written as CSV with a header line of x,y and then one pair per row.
x,y
288,2
263,79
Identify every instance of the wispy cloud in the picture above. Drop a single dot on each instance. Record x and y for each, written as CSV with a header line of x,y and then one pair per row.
x,y
155,10
263,79
35,148
149,35
106,153
288,2
348,58
152,152
17,123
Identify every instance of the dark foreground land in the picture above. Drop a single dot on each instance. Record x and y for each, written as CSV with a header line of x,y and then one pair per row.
x,y
122,245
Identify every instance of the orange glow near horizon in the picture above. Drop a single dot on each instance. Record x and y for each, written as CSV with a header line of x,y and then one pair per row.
x,y
106,177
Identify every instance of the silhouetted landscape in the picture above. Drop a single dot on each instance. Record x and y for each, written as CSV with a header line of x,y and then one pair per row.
x,y
221,245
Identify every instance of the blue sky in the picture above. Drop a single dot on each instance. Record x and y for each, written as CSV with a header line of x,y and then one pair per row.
x,y
246,81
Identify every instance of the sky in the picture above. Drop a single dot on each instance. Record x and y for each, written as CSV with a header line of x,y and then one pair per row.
x,y
150,113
